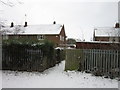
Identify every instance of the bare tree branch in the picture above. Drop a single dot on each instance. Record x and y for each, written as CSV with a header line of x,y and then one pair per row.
x,y
7,3
10,3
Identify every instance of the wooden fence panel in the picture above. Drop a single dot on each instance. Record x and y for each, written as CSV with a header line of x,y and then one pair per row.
x,y
105,62
97,61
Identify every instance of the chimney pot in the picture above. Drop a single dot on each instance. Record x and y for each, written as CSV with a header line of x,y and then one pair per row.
x,y
117,25
25,24
54,22
12,24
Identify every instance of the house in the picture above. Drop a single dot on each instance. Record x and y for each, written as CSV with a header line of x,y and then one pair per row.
x,y
110,34
53,32
103,38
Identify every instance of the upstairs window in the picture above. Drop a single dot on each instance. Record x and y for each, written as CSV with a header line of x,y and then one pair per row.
x,y
61,38
5,37
113,40
40,37
16,37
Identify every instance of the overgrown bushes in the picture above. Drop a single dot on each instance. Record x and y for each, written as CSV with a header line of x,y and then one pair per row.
x,y
29,55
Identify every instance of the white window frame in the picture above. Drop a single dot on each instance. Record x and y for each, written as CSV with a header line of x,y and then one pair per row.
x,y
16,36
61,38
5,37
40,37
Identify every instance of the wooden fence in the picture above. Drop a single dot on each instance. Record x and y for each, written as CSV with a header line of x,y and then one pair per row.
x,y
102,62
97,61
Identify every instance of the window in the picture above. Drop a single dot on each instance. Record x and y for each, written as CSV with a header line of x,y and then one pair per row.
x,y
16,37
113,39
61,38
40,37
5,37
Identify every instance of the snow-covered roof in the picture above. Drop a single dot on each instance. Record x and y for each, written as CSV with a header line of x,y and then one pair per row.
x,y
47,29
107,32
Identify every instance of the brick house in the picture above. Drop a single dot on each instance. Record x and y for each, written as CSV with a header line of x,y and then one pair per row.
x,y
103,38
111,34
53,32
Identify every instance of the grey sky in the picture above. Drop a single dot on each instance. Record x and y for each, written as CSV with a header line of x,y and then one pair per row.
x,y
79,17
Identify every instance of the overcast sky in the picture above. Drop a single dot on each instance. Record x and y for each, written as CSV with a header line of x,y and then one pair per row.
x,y
79,16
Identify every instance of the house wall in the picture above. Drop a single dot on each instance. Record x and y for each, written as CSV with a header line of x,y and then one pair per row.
x,y
62,37
32,37
112,39
59,40
101,39
53,38
94,45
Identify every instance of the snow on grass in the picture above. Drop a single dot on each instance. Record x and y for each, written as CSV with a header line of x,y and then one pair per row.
x,y
55,77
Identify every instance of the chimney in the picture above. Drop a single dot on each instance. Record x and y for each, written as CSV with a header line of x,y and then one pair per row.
x,y
54,22
25,24
117,25
12,24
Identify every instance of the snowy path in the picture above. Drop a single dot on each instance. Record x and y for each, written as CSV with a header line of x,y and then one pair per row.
x,y
55,77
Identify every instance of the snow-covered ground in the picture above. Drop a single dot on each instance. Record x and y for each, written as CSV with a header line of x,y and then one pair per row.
x,y
0,80
55,77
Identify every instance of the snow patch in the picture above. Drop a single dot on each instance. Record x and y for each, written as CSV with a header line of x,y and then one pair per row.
x,y
55,77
